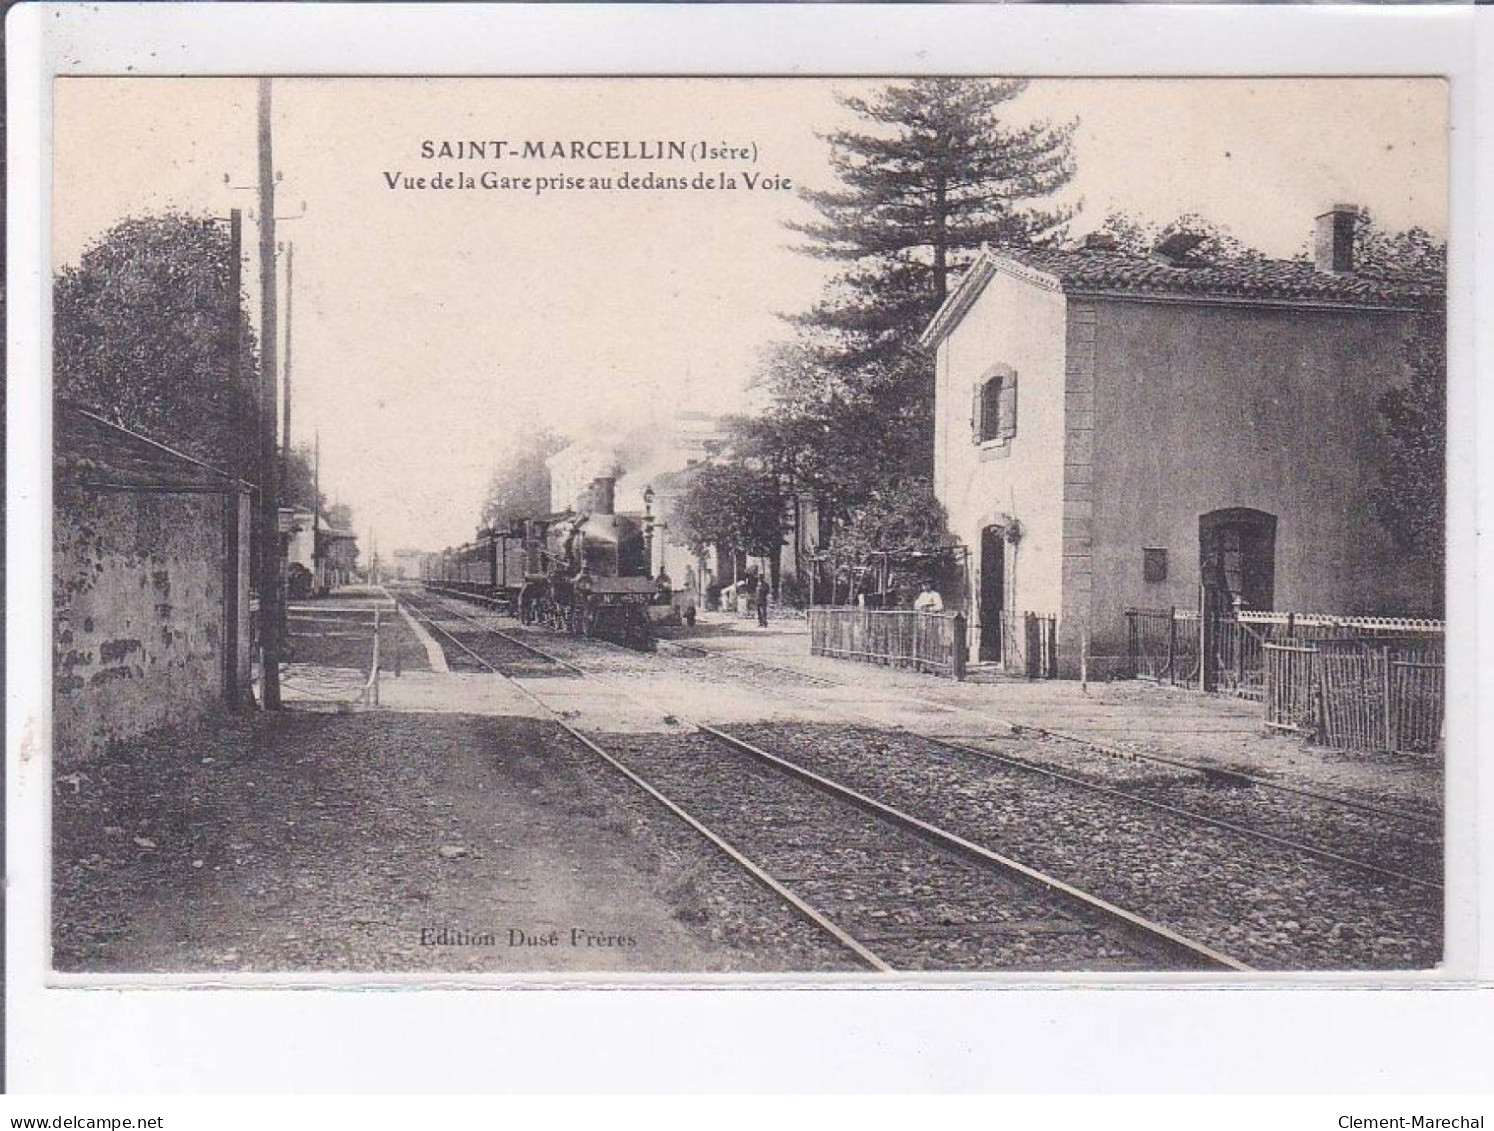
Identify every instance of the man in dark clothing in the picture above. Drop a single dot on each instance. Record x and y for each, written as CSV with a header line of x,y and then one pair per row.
x,y
763,590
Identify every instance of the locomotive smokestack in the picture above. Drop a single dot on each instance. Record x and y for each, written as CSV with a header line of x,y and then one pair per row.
x,y
603,494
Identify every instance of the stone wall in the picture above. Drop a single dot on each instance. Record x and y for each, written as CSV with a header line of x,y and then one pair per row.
x,y
139,611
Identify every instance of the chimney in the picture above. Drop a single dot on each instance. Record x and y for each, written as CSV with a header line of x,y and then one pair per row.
x,y
602,494
1333,244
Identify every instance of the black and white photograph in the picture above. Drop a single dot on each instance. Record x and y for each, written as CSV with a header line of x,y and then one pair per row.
x,y
844,530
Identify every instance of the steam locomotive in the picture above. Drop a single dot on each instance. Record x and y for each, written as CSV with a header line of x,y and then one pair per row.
x,y
584,572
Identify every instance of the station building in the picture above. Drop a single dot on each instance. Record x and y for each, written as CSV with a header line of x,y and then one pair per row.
x,y
1117,430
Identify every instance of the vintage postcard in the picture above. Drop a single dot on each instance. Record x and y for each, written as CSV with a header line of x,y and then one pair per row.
x,y
877,529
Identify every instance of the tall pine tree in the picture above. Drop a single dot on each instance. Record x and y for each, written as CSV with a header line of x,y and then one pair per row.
x,y
937,171
941,175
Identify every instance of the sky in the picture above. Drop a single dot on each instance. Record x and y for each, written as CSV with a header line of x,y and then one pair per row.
x,y
432,325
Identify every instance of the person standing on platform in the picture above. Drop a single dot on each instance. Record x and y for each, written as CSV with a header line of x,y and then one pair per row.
x,y
928,601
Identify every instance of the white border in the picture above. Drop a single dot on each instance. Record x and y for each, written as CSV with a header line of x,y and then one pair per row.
x,y
1050,1039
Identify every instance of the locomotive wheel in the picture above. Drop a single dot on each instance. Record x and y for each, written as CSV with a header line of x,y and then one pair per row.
x,y
638,632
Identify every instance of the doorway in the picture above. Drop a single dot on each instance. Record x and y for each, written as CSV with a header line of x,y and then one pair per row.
x,y
1237,559
992,591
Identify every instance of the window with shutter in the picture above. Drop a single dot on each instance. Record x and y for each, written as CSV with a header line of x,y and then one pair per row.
x,y
993,409
991,414
1007,415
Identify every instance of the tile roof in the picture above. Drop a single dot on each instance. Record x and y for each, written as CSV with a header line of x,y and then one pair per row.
x,y
1281,279
1120,274
87,449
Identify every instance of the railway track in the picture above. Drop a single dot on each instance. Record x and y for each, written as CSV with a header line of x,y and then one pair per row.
x,y
1269,900
1195,794
1205,772
1201,794
897,891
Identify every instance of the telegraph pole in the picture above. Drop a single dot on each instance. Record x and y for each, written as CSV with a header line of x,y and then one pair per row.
x,y
285,367
235,284
233,331
317,573
269,486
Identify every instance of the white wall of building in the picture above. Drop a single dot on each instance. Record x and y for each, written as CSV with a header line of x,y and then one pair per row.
x,y
1020,324
301,544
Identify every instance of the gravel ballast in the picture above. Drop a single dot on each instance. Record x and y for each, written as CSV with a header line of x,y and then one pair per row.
x,y
1268,906
1272,906
919,908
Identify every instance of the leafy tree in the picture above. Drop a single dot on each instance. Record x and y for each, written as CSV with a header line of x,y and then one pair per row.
x,y
732,506
141,336
822,435
298,484
520,486
935,172
1217,245
339,516
1414,251
1410,498
904,519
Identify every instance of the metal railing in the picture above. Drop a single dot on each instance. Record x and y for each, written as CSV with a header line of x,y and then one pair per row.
x,y
934,642
1026,643
1162,645
1225,652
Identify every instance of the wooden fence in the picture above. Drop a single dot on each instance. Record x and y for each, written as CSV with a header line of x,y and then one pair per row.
x,y
1418,690
1358,694
1380,694
932,642
1290,687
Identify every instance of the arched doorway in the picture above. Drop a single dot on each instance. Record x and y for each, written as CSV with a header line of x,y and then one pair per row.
x,y
992,591
1237,559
